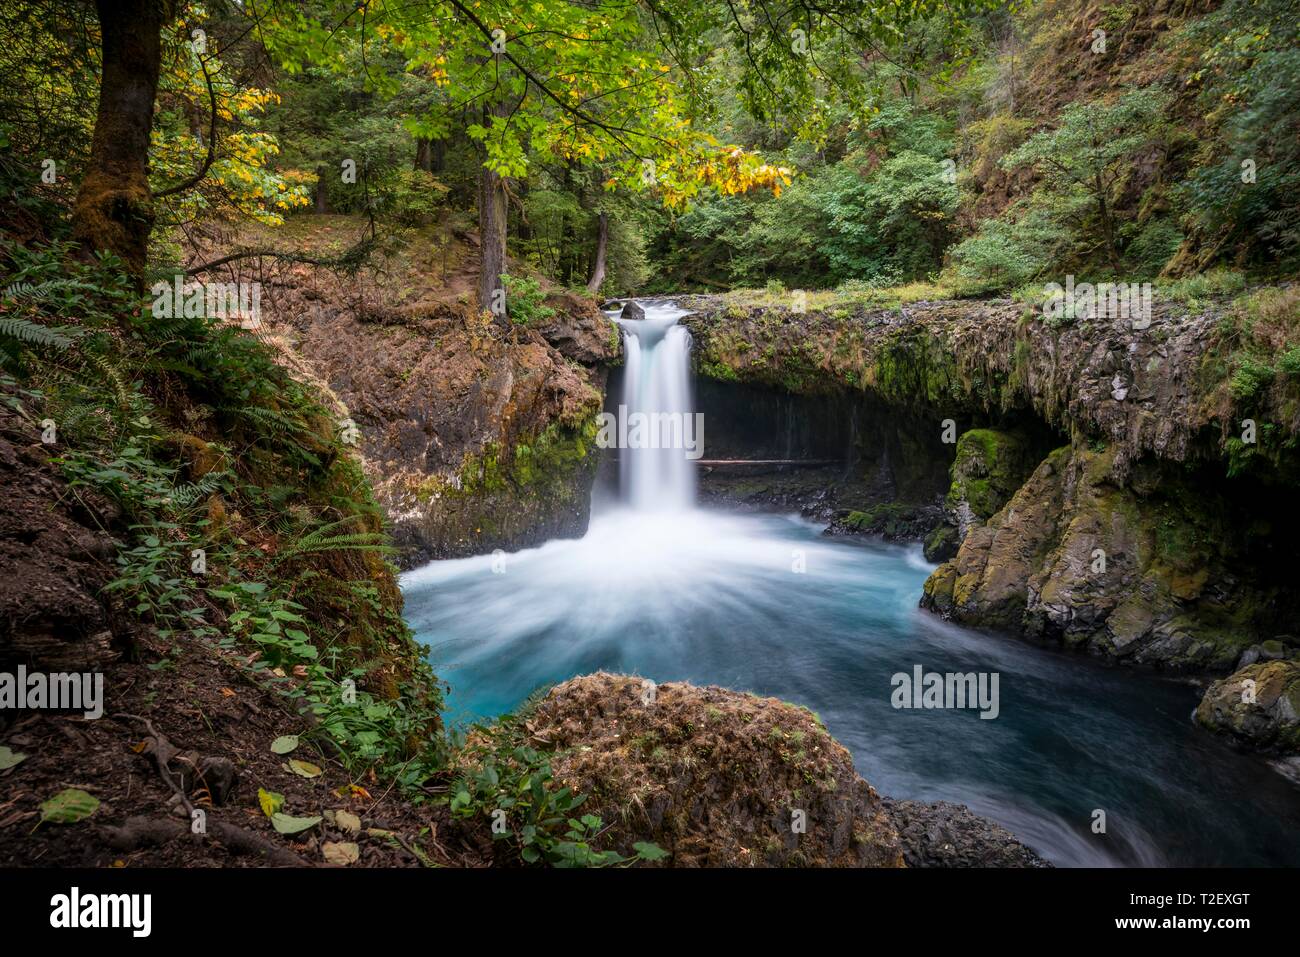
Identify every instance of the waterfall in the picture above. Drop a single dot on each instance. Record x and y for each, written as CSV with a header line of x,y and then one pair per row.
x,y
656,394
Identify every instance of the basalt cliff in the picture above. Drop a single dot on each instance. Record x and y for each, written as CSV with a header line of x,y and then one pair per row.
x,y
1115,486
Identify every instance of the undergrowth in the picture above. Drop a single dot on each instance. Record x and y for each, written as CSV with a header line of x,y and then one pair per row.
x,y
506,785
244,522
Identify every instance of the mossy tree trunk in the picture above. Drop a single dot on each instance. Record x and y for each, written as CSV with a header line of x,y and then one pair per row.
x,y
114,209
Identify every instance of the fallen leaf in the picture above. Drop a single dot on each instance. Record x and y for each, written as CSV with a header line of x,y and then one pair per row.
x,y
69,806
347,821
287,824
303,768
270,801
10,759
284,744
341,853
227,693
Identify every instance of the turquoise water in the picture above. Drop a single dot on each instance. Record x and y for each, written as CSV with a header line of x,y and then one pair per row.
x,y
716,598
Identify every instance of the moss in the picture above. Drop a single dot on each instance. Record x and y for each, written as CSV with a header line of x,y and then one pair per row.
x,y
939,587
941,544
891,519
717,370
512,494
990,465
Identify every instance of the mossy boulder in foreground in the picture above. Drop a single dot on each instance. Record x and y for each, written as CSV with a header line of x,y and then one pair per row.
x,y
722,778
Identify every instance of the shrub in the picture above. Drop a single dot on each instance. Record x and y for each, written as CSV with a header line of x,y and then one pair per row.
x,y
524,301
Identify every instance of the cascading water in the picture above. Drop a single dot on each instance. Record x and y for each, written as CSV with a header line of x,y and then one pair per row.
x,y
657,386
766,604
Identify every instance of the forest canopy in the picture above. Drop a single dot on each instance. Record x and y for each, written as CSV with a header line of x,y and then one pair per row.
x,y
670,145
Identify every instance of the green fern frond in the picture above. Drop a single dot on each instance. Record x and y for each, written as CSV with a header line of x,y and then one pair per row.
x,y
330,537
35,334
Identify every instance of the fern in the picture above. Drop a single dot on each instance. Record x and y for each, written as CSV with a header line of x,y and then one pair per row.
x,y
35,334
272,421
330,538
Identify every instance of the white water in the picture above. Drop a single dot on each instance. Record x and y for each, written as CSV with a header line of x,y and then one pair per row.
x,y
657,379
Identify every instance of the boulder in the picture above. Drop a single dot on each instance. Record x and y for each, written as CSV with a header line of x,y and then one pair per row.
x,y
1144,571
1258,706
944,834
716,777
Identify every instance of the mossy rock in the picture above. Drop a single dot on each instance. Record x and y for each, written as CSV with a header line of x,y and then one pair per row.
x,y
941,544
714,777
1258,706
989,467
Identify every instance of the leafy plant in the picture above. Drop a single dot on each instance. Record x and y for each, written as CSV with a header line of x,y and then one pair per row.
x,y
512,782
524,301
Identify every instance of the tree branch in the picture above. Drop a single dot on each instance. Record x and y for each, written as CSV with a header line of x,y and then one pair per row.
x,y
212,141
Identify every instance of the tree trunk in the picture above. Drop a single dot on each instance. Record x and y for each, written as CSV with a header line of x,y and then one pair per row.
x,y
492,237
114,208
1107,223
429,155
320,197
602,244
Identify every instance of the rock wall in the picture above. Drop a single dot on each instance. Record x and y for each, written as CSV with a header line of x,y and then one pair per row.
x,y
1158,530
473,438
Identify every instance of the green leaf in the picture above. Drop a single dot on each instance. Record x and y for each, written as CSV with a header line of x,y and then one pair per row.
x,y
287,824
284,744
10,759
646,851
69,806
